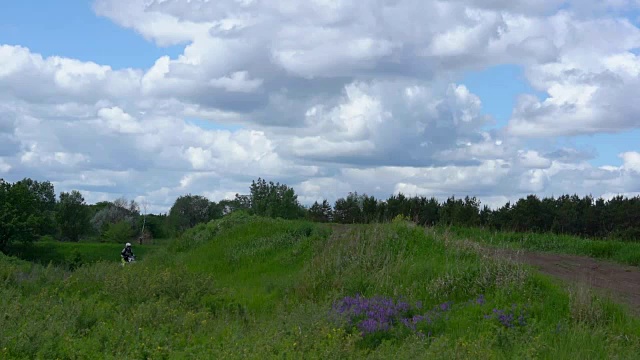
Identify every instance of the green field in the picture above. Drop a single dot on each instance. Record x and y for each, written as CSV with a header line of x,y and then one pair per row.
x,y
257,288
73,254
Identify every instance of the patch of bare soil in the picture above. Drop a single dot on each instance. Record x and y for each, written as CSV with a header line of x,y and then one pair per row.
x,y
621,282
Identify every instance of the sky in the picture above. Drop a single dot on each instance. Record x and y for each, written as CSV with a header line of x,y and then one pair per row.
x,y
154,99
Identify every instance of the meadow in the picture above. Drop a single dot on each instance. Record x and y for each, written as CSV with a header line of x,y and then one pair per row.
x,y
253,287
74,254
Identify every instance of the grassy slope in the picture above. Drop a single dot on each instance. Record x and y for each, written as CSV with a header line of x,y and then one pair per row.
x,y
619,251
261,288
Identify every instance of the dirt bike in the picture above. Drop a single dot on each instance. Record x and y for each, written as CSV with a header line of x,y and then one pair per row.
x,y
131,259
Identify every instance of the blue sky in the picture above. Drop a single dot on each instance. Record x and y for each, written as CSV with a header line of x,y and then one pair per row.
x,y
71,29
499,87
211,125
350,145
610,145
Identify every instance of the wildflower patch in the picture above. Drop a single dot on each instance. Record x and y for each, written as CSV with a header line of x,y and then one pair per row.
x,y
378,318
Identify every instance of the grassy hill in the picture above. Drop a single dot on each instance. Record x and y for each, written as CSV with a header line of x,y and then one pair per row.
x,y
248,287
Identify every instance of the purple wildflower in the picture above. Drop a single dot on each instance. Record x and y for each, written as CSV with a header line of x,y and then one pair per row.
x,y
373,314
509,319
384,314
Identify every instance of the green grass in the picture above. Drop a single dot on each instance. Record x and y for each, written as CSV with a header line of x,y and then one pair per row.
x,y
67,253
618,251
256,288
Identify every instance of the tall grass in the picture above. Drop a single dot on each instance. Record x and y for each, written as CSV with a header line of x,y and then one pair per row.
x,y
256,288
70,254
619,251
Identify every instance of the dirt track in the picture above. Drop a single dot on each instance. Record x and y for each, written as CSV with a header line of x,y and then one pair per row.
x,y
621,282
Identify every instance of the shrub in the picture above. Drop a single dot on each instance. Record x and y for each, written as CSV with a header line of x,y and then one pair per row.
x,y
119,232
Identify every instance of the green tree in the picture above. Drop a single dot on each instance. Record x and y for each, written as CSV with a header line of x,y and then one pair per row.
x,y
118,232
157,225
72,216
327,211
485,216
396,205
26,210
429,211
44,198
348,210
320,212
370,210
189,210
240,202
114,212
274,200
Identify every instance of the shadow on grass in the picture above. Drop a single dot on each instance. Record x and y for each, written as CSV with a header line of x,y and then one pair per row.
x,y
72,254
43,253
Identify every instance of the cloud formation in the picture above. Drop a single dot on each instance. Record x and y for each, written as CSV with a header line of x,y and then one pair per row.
x,y
330,97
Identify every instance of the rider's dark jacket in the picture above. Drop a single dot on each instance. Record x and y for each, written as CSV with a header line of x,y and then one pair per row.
x,y
127,252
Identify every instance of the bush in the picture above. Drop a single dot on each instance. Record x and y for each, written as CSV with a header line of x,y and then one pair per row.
x,y
118,232
75,260
48,238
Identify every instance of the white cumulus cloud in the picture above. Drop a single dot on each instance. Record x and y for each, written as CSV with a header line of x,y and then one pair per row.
x,y
330,97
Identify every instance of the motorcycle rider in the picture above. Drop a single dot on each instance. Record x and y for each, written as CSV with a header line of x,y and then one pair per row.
x,y
127,252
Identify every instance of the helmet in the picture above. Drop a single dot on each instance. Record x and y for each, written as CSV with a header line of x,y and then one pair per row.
x,y
128,244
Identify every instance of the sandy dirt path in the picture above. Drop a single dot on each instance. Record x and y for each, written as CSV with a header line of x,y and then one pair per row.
x,y
621,282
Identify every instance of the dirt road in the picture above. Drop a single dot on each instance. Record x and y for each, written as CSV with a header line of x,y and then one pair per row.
x,y
621,282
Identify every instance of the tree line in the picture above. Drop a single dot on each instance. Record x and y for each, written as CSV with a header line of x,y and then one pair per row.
x,y
586,216
30,210
617,218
